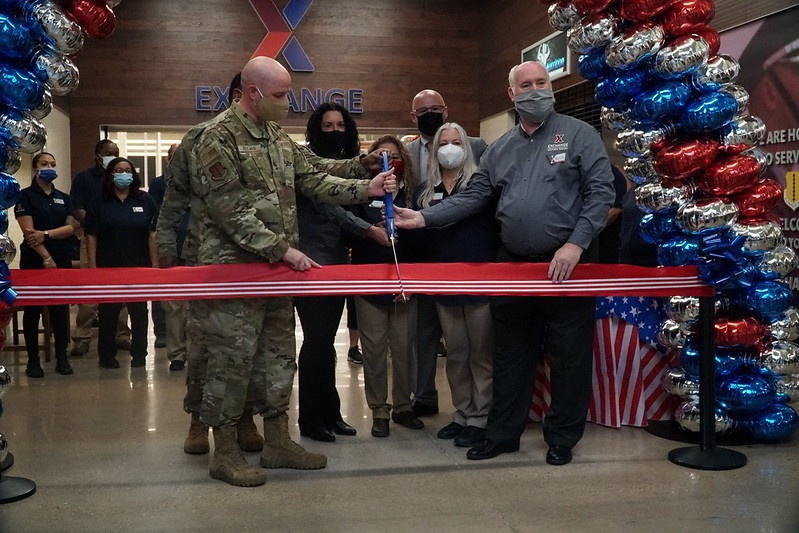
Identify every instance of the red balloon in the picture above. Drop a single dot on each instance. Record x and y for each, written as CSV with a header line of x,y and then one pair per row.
x,y
759,199
94,16
737,332
589,7
711,36
729,175
685,16
683,158
639,10
5,317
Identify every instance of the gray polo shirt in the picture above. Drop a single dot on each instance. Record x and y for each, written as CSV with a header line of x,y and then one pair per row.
x,y
552,187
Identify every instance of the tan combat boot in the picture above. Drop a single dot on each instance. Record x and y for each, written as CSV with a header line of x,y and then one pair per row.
x,y
247,434
197,440
228,464
282,452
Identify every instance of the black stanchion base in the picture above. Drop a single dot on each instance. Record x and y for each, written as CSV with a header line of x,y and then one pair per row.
x,y
7,463
715,459
15,488
671,430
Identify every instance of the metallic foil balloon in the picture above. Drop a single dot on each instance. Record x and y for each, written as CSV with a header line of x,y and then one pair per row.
x,y
711,37
656,104
742,133
640,10
676,383
696,216
3,447
19,88
592,65
738,332
761,157
684,16
45,107
718,72
16,41
62,33
775,422
113,3
769,299
786,327
593,32
761,198
709,111
637,44
562,16
616,120
642,142
3,225
655,228
683,308
683,158
7,249
24,132
654,197
12,160
96,19
741,96
729,175
9,192
640,170
745,393
726,362
688,417
590,7
761,234
777,262
616,90
780,357
681,56
5,381
788,388
680,250
59,72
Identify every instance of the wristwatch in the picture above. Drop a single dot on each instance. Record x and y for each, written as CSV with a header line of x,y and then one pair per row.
x,y
46,235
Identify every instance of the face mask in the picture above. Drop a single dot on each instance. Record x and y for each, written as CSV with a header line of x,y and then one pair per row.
x,y
536,105
106,159
270,110
123,180
430,122
47,174
451,156
331,143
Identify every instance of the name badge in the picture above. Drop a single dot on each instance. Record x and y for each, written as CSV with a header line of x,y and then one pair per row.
x,y
377,204
138,209
249,149
438,196
58,201
557,158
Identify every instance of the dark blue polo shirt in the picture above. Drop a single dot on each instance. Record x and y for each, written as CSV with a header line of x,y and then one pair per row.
x,y
49,211
122,229
86,186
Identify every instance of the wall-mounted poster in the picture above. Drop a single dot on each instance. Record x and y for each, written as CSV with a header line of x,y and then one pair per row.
x,y
552,51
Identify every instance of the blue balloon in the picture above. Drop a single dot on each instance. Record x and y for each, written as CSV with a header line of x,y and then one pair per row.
x,y
709,111
9,191
3,221
679,251
616,90
745,393
15,38
727,361
767,298
20,88
657,103
775,422
655,228
592,65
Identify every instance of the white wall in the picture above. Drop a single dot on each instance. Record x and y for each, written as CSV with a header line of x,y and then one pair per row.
x,y
494,127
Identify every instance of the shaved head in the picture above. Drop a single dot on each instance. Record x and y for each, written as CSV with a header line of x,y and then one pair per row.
x,y
263,77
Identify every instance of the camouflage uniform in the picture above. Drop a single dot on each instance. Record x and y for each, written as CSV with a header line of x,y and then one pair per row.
x,y
245,175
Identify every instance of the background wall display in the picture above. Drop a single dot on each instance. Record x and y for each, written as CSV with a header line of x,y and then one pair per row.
x,y
553,52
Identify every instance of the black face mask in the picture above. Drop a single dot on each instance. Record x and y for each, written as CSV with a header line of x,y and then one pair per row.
x,y
331,144
430,122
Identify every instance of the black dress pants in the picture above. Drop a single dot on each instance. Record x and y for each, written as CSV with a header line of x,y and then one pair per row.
x,y
59,324
108,314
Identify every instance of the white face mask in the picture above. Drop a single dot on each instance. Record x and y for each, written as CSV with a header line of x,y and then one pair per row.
x,y
107,159
451,156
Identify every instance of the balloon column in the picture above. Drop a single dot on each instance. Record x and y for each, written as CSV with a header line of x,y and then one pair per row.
x,y
691,146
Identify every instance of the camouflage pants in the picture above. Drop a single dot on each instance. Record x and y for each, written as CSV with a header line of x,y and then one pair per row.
x,y
251,356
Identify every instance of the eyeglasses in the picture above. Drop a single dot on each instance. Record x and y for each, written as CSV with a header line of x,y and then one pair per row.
x,y
434,109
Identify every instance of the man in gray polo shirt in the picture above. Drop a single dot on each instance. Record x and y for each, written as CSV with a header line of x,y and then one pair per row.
x,y
552,180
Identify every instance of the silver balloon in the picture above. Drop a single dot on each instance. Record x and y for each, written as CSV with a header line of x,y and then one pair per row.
x,y
718,72
786,328
789,386
760,236
593,32
653,197
640,170
616,120
672,334
741,96
25,132
65,33
742,134
682,56
688,417
780,357
5,381
13,161
62,74
113,3
635,45
45,107
683,308
777,262
563,17
3,447
707,213
8,249
638,142
676,383
761,157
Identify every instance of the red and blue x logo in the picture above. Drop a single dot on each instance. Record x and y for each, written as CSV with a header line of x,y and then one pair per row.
x,y
279,36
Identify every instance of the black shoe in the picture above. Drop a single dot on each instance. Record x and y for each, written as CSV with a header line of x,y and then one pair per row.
x,y
380,427
424,409
109,363
559,455
450,431
63,367
490,449
407,419
470,437
137,362
160,342
177,364
339,427
317,433
34,370
354,355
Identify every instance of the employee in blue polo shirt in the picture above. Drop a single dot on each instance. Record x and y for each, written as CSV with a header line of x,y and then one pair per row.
x,y
44,215
121,233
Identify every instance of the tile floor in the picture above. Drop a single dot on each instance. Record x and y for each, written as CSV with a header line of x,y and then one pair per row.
x,y
104,448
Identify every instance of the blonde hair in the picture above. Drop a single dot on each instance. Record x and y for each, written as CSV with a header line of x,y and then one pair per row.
x,y
465,171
